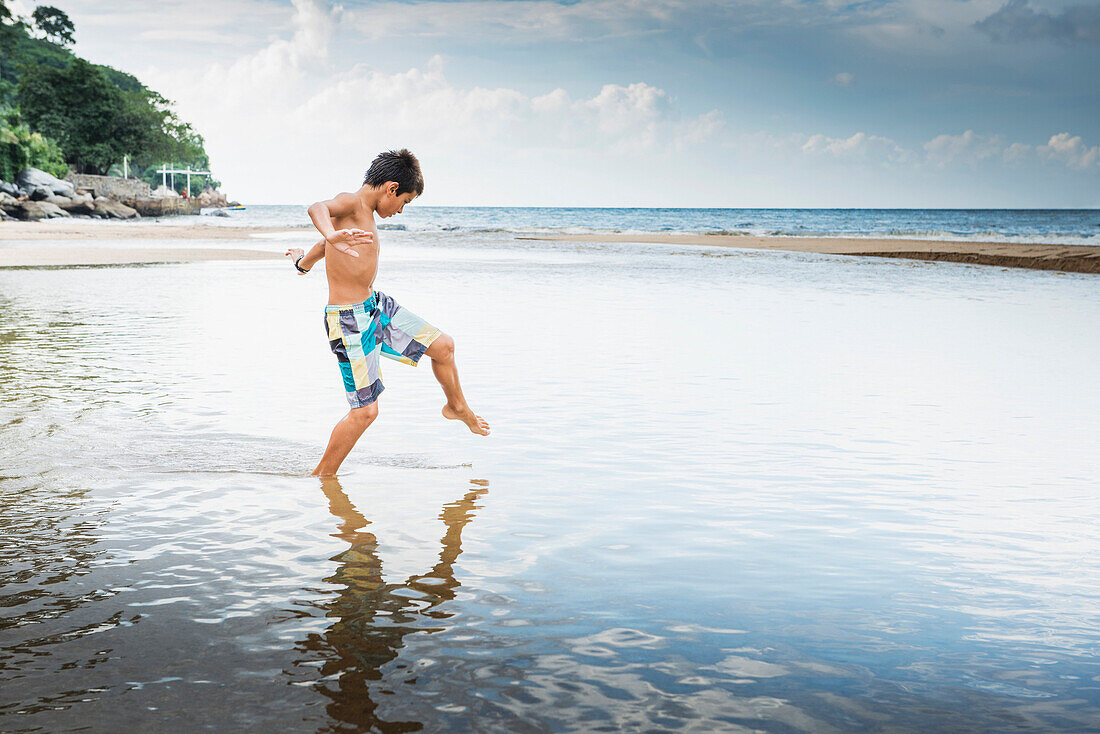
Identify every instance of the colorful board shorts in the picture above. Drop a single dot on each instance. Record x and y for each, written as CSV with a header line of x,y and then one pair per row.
x,y
359,332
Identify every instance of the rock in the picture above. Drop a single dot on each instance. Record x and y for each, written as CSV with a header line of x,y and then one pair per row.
x,y
79,204
216,213
40,193
63,202
30,178
5,217
40,210
163,191
7,201
10,189
114,209
211,198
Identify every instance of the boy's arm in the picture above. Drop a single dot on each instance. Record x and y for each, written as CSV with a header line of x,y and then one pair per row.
x,y
343,240
306,260
315,255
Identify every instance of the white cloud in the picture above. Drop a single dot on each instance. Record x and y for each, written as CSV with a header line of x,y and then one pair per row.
x,y
284,123
1071,151
1016,152
185,32
858,146
288,118
1017,21
524,20
969,147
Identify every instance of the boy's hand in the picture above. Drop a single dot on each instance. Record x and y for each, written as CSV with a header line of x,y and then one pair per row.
x,y
296,254
344,239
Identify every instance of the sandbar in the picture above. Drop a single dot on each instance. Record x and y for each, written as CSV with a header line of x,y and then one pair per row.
x,y
83,229
174,237
1068,258
24,257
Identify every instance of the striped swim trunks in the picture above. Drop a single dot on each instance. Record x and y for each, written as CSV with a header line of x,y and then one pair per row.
x,y
359,332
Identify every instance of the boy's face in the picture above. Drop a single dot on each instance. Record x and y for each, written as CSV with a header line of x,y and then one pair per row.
x,y
391,203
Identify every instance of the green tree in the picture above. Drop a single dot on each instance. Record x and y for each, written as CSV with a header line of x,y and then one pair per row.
x,y
167,137
7,93
79,108
54,24
19,148
66,100
96,123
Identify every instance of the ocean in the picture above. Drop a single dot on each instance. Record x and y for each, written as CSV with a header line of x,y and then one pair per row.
x,y
1054,226
726,490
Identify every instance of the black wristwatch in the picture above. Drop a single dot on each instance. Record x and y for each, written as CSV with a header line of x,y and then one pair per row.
x,y
299,267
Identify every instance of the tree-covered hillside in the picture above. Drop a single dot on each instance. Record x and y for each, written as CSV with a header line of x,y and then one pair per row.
x,y
60,112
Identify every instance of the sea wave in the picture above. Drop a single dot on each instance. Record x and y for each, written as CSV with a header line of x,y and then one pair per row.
x,y
1066,227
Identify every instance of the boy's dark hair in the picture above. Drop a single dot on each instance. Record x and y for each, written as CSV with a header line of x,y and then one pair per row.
x,y
396,165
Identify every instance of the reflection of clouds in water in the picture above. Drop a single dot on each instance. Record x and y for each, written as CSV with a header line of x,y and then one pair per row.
x,y
599,644
579,693
741,668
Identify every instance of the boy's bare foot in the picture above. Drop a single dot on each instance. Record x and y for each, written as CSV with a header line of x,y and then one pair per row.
x,y
475,423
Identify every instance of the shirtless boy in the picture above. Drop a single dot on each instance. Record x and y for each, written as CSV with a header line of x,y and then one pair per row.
x,y
363,323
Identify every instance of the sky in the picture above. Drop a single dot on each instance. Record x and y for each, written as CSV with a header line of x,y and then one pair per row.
x,y
727,103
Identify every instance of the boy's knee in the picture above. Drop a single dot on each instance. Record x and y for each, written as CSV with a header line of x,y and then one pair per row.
x,y
443,347
364,416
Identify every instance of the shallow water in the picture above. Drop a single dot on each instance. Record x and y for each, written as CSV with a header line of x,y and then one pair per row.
x,y
725,490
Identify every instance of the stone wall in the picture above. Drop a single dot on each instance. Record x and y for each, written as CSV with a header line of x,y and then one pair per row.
x,y
165,206
112,187
136,194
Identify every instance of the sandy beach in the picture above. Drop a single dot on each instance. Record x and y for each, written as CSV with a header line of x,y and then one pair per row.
x,y
83,231
27,257
1075,259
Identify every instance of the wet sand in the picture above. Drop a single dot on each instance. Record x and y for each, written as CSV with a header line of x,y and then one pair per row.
x,y
84,229
29,257
1069,258
174,237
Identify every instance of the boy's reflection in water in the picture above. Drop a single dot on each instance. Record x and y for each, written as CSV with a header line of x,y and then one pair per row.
x,y
372,617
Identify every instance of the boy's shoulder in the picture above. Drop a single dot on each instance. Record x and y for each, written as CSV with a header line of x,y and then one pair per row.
x,y
348,206
346,200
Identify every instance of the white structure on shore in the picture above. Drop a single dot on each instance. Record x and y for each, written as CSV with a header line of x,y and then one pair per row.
x,y
164,171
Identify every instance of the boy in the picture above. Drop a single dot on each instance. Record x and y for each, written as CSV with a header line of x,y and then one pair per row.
x,y
363,323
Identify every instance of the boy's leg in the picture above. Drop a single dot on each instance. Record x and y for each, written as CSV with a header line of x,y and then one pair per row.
x,y
442,353
344,436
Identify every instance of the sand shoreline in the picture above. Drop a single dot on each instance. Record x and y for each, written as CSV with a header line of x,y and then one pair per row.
x,y
83,229
174,236
73,257
1068,258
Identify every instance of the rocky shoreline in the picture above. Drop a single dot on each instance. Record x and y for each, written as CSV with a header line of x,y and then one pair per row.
x,y
36,195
